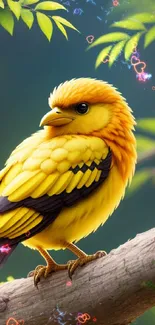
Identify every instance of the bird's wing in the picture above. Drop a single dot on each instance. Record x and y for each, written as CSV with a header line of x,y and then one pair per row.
x,y
42,177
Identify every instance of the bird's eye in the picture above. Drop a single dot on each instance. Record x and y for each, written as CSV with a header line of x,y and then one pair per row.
x,y
82,108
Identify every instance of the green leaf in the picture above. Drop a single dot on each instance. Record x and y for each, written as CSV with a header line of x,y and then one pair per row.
x,y
144,143
45,24
108,38
144,17
30,2
64,22
147,124
27,17
130,45
49,5
149,37
6,20
1,4
139,179
129,23
62,29
116,50
15,7
102,55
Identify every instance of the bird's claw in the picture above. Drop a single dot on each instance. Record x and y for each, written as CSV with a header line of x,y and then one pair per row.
x,y
73,264
44,271
100,254
40,271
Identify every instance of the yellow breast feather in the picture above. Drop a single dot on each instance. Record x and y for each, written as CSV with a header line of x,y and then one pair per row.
x,y
46,168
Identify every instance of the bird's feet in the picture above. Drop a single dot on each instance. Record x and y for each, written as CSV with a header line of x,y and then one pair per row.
x,y
72,265
44,271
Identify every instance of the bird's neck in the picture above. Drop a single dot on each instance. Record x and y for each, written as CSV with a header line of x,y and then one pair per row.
x,y
124,155
120,138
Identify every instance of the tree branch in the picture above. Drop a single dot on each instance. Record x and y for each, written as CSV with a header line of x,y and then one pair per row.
x,y
115,289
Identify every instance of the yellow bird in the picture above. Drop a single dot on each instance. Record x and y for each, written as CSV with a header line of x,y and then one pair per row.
x,y
64,181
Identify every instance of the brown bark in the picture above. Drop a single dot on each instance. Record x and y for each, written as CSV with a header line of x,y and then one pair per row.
x,y
113,289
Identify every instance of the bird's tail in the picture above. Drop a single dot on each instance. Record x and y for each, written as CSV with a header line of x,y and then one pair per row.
x,y
5,251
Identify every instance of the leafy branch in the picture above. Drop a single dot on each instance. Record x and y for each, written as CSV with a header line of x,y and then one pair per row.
x,y
26,10
123,41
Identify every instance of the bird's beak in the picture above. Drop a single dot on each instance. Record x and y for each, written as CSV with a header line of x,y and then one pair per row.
x,y
56,118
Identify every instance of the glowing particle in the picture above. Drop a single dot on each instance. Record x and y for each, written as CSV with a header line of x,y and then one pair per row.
x,y
115,3
78,11
143,76
91,1
126,63
83,318
5,248
139,67
135,48
90,39
99,18
21,322
94,319
134,60
69,283
13,321
106,59
67,3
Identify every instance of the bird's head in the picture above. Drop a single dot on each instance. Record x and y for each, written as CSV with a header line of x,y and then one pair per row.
x,y
92,107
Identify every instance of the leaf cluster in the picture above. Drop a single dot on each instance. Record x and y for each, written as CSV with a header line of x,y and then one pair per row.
x,y
123,41
28,10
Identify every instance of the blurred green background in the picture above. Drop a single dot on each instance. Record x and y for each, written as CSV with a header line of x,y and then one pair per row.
x,y
30,67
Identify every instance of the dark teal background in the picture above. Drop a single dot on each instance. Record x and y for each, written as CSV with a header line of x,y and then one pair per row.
x,y
30,67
